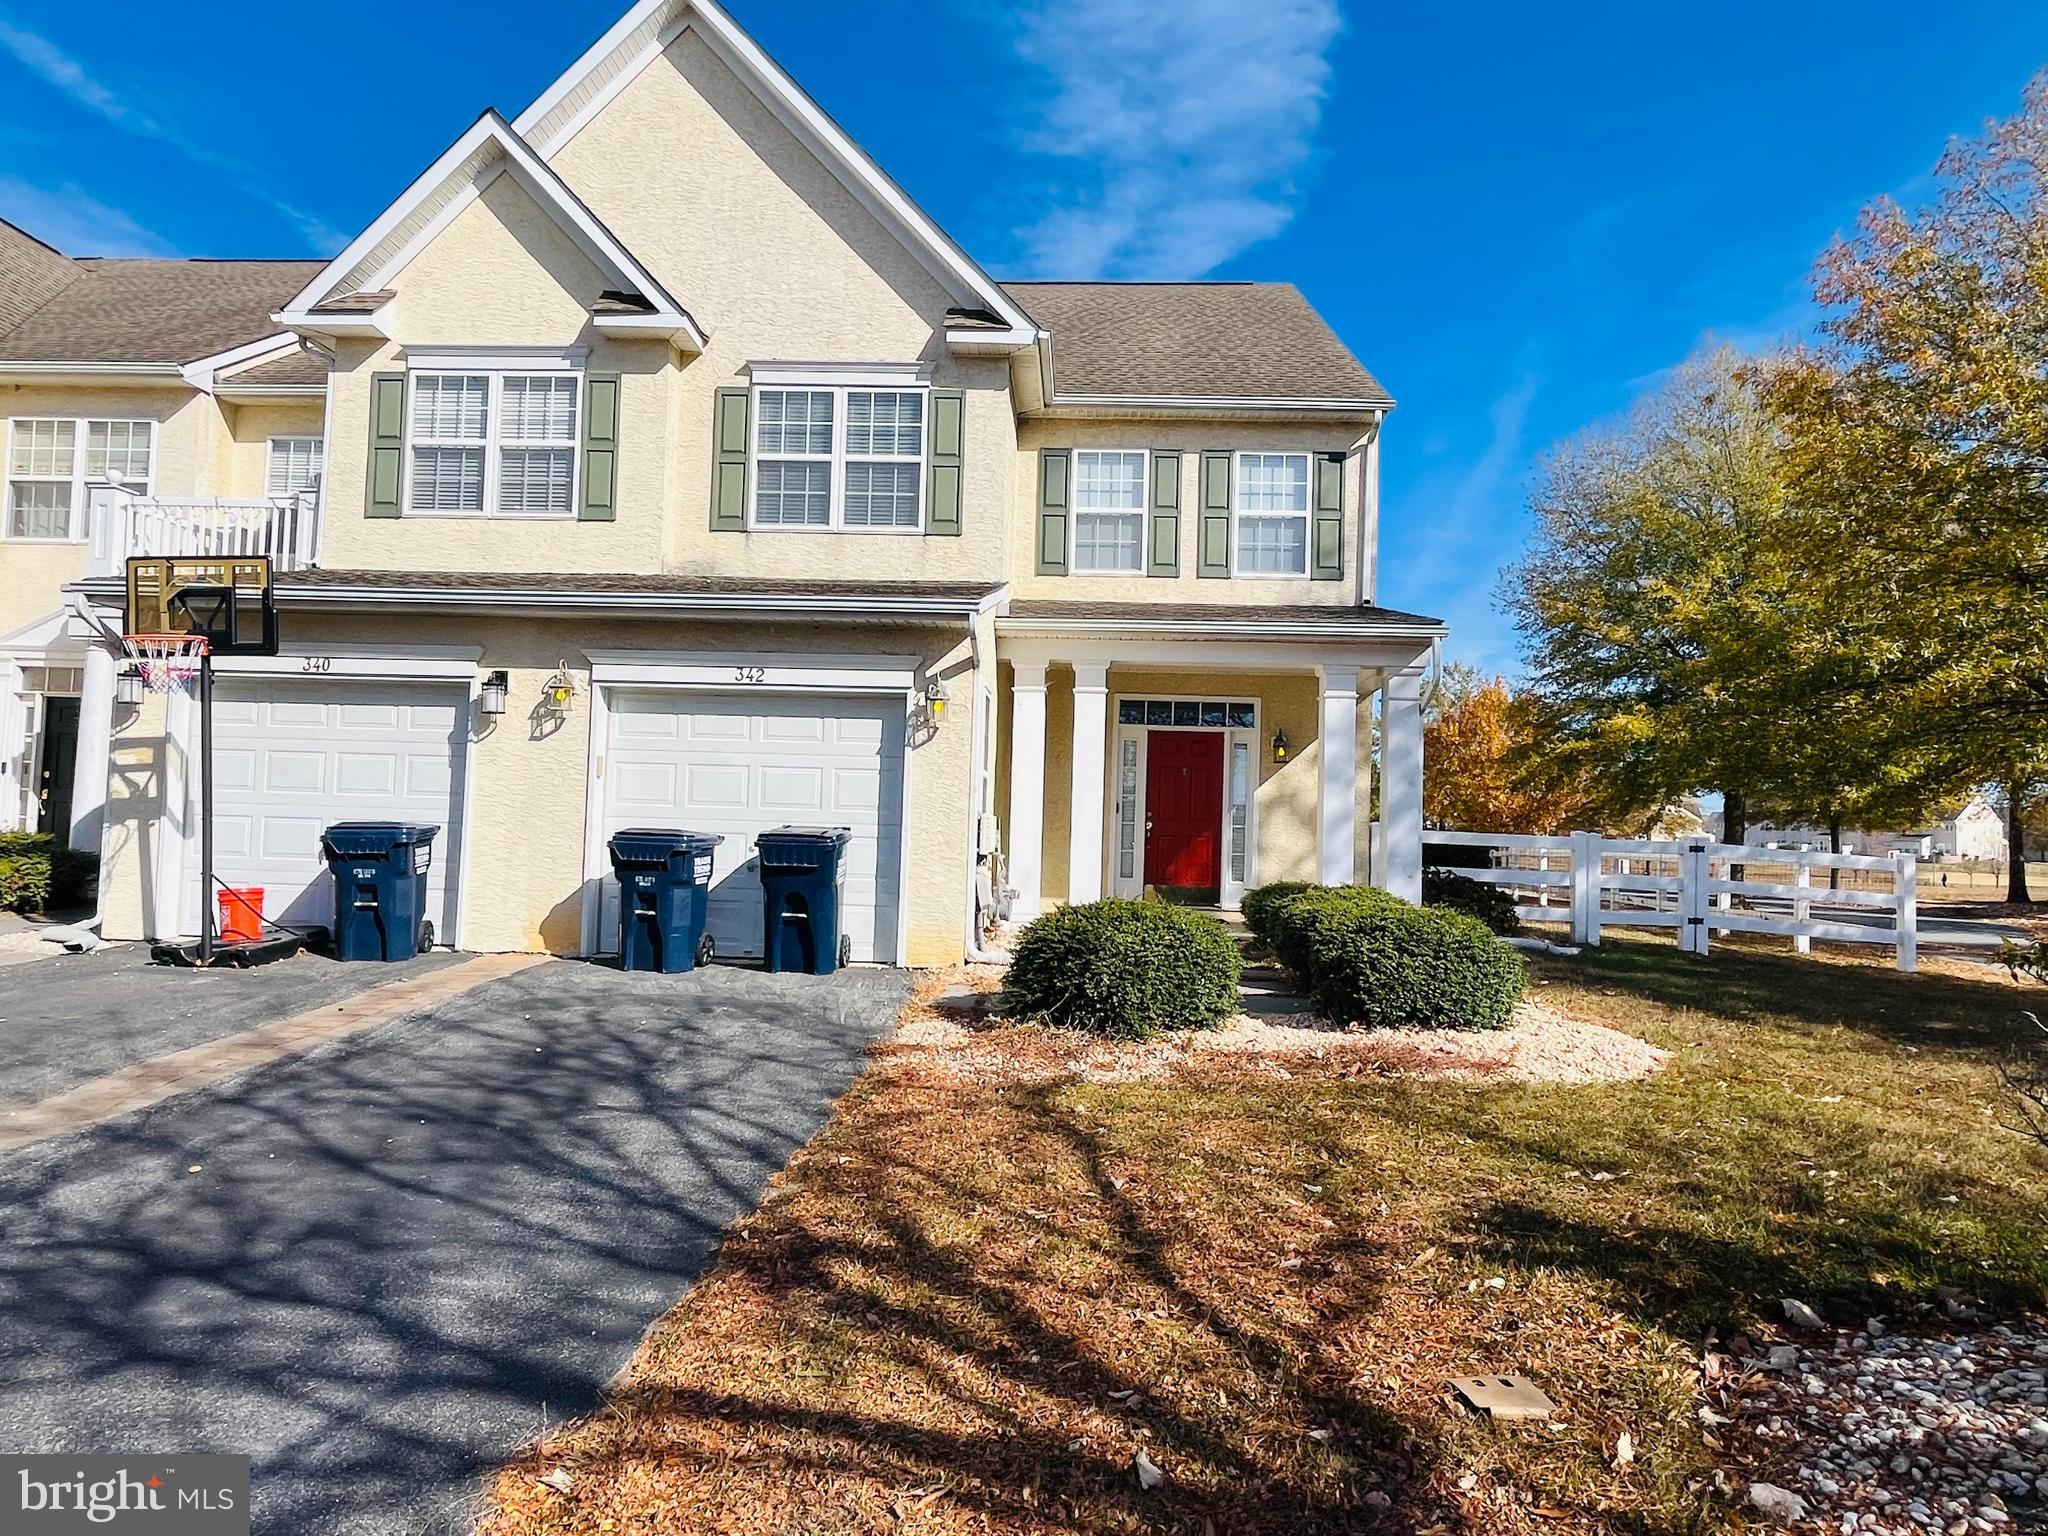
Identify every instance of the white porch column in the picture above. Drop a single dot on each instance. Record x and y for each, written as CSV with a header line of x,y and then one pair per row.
x,y
1024,826
1401,784
1337,818
1084,822
95,742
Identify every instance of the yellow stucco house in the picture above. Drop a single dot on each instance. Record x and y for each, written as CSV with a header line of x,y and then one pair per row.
x,y
663,395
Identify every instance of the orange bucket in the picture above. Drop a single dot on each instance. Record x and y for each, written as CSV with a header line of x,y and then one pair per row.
x,y
241,914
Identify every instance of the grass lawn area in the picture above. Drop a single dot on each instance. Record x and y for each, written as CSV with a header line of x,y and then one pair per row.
x,y
967,1307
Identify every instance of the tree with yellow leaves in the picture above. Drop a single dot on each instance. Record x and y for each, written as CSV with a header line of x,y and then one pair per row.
x,y
1484,768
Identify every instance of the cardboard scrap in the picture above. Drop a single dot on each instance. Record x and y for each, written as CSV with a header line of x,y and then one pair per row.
x,y
1504,1397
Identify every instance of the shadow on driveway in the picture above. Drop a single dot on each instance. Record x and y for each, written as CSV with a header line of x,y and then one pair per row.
x,y
70,1018
406,1253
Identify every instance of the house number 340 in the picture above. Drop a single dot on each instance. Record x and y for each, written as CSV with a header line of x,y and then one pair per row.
x,y
750,674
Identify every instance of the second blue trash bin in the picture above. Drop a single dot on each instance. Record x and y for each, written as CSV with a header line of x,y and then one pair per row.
x,y
664,892
380,888
803,890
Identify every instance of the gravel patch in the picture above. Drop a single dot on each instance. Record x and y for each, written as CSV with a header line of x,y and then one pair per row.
x,y
1540,1045
1902,1434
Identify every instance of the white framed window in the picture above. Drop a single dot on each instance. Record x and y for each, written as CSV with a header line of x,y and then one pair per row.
x,y
1109,511
294,464
52,462
839,456
1270,514
493,443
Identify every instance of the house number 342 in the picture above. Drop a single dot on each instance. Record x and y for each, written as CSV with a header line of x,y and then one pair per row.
x,y
750,674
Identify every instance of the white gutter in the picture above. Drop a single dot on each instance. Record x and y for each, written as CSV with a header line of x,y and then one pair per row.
x,y
58,372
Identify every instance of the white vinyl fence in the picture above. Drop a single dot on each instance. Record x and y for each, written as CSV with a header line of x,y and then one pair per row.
x,y
1691,885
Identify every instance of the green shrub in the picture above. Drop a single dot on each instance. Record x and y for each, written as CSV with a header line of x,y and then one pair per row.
x,y
38,872
1365,957
1125,969
1491,904
1260,904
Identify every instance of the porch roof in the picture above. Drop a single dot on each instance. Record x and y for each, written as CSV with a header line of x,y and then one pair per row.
x,y
1281,620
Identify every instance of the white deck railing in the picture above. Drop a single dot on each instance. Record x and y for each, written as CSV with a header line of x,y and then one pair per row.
x,y
1690,885
286,528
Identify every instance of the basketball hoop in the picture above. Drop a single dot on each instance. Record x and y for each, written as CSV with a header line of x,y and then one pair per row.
x,y
166,661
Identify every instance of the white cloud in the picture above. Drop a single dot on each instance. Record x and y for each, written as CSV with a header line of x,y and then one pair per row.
x,y
1184,128
74,79
68,218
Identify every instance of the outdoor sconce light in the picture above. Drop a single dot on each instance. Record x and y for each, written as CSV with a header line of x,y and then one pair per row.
x,y
490,698
935,699
1281,747
128,687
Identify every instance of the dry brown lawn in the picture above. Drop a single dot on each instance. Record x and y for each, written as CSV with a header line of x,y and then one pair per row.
x,y
971,1306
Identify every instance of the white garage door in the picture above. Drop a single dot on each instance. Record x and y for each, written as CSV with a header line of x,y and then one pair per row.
x,y
739,766
292,757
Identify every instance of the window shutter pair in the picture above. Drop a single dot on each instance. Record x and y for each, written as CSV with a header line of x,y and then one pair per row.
x,y
944,447
1055,511
384,485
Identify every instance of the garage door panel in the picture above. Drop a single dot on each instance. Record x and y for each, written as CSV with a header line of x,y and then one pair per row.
x,y
742,765
292,756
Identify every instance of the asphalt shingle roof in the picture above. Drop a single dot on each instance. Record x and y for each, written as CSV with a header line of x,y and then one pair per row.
x,y
136,311
1229,340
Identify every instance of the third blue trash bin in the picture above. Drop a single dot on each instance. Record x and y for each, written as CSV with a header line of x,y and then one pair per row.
x,y
664,891
380,888
803,890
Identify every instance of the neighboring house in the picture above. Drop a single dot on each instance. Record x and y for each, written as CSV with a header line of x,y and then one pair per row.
x,y
1976,831
164,381
665,392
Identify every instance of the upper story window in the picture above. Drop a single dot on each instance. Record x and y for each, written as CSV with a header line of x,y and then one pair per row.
x,y
1109,511
294,466
52,461
493,443
839,456
1271,514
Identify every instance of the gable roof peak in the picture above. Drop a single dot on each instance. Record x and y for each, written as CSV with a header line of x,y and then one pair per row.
x,y
488,147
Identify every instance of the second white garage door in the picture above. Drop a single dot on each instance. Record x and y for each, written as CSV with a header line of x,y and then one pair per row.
x,y
739,766
292,756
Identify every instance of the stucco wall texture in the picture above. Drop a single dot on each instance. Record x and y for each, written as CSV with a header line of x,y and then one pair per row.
x,y
522,886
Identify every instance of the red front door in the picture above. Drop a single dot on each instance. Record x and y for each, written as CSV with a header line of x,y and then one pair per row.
x,y
1184,808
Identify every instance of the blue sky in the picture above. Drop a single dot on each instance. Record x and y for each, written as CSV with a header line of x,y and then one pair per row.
x,y
1515,215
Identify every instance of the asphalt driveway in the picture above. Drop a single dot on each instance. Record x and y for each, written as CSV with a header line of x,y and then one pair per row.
x,y
404,1253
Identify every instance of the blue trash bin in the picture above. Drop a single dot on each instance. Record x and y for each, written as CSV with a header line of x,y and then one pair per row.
x,y
664,891
380,888
803,894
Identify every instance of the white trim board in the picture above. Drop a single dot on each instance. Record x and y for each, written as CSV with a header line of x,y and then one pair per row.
x,y
741,672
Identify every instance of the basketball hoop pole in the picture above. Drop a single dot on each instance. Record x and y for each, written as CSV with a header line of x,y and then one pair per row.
x,y
206,807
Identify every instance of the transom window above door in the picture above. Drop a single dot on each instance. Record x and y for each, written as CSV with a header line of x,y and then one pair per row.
x,y
500,442
1229,714
1271,514
1109,511
839,456
52,462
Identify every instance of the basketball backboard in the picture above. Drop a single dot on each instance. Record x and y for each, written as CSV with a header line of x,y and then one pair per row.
x,y
226,598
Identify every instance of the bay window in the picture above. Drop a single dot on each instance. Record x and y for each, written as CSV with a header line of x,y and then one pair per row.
x,y
839,456
1109,511
53,461
1271,514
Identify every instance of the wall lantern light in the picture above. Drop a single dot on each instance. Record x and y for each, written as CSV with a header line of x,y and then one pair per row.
x,y
1281,747
490,698
935,698
128,687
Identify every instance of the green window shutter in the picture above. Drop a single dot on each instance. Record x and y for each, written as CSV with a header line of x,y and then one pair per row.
x,y
1054,498
384,485
600,448
1214,545
1326,536
949,407
1162,524
729,473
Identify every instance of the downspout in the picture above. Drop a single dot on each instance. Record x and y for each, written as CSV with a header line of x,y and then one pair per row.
x,y
977,953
